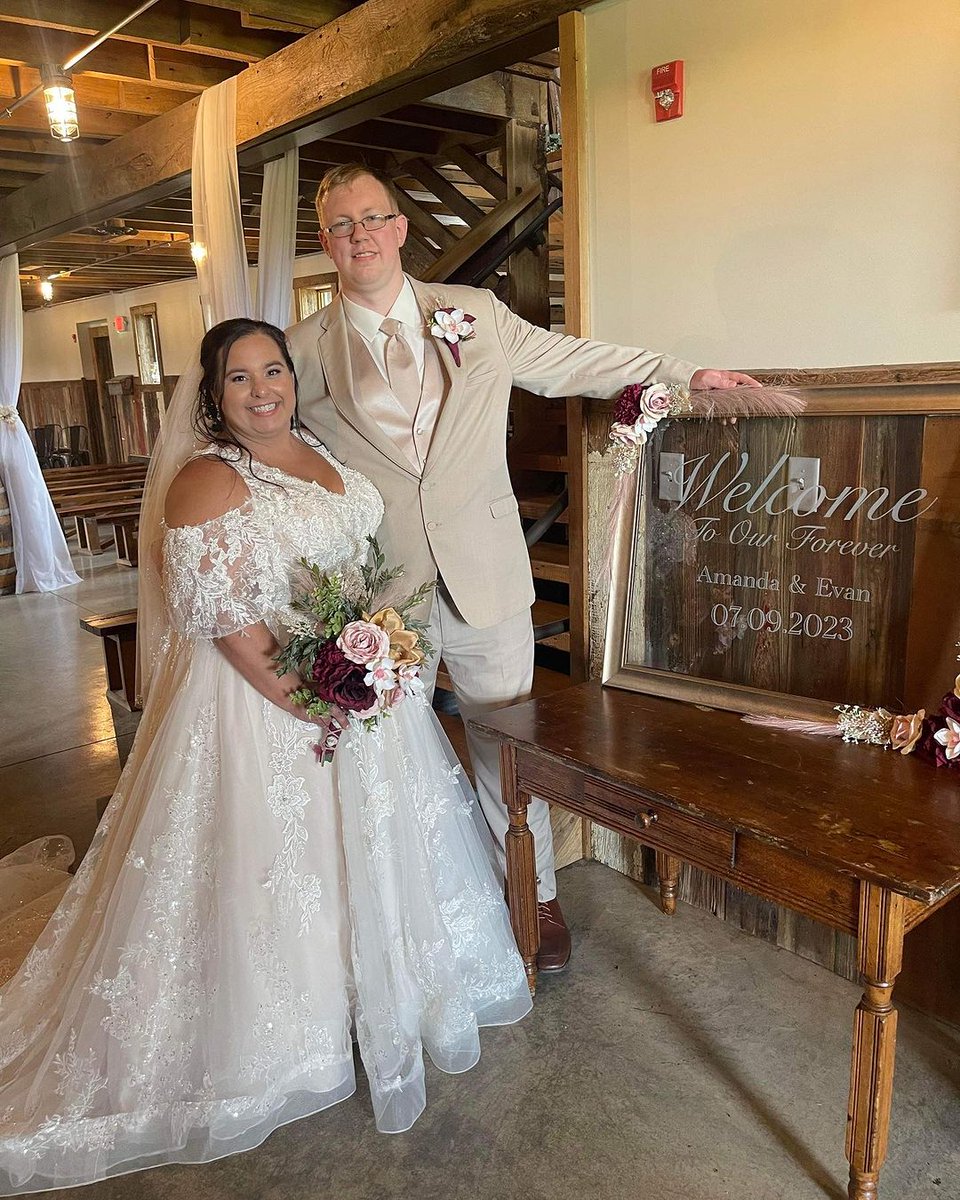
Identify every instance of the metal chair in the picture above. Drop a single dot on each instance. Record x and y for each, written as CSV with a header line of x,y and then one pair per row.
x,y
76,452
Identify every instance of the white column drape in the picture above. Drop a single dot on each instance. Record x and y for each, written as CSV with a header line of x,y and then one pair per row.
x,y
40,549
217,224
278,238
224,293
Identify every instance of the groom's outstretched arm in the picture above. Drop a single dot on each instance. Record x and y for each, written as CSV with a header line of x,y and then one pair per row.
x,y
556,364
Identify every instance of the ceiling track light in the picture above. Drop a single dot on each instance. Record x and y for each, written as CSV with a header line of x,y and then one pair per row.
x,y
46,290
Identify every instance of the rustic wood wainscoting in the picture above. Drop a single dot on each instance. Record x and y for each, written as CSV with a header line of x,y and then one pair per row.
x,y
931,974
67,402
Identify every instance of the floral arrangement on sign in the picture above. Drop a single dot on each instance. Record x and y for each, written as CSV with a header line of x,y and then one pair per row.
x,y
358,662
641,407
933,738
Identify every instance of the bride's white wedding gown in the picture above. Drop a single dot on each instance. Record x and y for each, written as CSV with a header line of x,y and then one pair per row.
x,y
243,910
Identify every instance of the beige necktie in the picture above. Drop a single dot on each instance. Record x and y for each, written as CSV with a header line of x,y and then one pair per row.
x,y
402,373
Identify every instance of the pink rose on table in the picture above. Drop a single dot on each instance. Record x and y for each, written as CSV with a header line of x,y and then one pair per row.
x,y
363,643
905,731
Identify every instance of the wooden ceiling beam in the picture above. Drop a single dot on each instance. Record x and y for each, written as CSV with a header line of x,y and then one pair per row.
x,y
200,28
19,46
305,13
99,92
370,61
32,118
17,141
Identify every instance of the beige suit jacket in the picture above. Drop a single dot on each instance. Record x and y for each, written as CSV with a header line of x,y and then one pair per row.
x,y
460,517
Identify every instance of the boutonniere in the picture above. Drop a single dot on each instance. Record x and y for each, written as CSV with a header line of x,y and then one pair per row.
x,y
453,326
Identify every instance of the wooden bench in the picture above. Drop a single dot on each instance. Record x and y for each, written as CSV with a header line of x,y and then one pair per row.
x,y
118,633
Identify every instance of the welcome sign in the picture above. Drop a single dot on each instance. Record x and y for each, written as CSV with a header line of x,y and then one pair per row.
x,y
788,564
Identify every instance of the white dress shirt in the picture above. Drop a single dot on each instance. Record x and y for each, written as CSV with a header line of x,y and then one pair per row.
x,y
406,310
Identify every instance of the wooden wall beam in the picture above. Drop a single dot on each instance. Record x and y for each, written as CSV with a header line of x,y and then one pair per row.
x,y
319,85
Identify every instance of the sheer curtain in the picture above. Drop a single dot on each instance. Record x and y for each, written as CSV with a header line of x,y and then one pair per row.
x,y
43,560
224,293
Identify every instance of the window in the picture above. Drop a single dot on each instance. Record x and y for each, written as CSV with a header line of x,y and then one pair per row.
x,y
313,292
146,336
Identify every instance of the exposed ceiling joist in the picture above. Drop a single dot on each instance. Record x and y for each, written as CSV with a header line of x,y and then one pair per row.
x,y
357,68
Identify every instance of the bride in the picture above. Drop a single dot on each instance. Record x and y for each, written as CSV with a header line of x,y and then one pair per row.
x,y
244,913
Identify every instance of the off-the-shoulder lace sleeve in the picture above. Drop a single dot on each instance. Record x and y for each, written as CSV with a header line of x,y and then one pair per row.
x,y
218,575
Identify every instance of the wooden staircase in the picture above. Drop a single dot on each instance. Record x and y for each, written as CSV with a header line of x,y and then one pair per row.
x,y
486,210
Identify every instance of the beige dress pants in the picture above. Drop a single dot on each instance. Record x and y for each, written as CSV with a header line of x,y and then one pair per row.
x,y
490,669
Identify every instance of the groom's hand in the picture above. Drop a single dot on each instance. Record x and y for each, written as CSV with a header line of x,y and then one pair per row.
x,y
706,379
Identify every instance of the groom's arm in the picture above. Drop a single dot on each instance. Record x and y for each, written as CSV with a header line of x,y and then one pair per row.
x,y
556,364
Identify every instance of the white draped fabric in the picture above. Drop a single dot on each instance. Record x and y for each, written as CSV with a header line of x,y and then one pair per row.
x,y
43,560
278,238
217,224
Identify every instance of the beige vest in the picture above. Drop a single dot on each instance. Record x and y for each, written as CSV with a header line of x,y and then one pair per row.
x,y
408,421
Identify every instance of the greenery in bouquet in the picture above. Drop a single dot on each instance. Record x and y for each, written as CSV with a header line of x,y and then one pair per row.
x,y
357,661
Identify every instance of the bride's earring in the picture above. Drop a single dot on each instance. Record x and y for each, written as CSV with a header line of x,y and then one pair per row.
x,y
213,415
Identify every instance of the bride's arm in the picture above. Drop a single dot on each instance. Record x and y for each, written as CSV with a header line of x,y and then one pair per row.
x,y
200,502
251,651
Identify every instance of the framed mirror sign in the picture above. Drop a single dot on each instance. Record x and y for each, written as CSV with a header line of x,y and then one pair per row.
x,y
784,565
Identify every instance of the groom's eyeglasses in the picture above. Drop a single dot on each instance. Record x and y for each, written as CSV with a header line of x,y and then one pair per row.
x,y
344,228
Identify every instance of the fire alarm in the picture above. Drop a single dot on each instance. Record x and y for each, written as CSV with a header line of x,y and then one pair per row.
x,y
666,83
121,324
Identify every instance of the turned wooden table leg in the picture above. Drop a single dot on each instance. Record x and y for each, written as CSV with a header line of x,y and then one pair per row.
x,y
521,866
668,872
874,1039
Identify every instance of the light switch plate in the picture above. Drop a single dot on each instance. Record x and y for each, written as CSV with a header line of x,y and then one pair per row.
x,y
803,479
671,477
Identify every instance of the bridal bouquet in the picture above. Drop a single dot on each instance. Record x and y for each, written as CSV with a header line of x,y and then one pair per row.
x,y
359,662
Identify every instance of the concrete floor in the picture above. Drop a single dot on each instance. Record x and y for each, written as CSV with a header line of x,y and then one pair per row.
x,y
675,1059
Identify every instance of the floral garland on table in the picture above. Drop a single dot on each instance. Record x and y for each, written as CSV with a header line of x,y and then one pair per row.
x,y
933,738
8,414
451,326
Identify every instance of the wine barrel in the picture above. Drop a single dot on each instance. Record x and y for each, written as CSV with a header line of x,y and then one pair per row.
x,y
8,565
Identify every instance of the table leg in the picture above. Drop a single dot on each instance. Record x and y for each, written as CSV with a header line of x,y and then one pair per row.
x,y
521,866
874,1039
668,871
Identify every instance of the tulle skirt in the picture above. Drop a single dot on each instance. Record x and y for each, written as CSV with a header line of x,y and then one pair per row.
x,y
242,916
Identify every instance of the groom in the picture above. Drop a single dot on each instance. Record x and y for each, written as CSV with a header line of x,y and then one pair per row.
x,y
429,428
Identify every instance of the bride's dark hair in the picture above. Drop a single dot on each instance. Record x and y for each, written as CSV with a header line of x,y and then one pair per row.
x,y
214,352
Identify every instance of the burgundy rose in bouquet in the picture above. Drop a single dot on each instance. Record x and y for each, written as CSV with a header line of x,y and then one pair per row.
x,y
357,664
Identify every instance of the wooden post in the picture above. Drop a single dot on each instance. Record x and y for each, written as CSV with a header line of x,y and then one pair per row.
x,y
521,866
874,1039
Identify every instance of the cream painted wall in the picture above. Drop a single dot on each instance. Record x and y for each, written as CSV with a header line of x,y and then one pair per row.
x,y
49,351
805,211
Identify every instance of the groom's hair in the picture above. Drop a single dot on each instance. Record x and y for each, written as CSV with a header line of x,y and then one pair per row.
x,y
346,174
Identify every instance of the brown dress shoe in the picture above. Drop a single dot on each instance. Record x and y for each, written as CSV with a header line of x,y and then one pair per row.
x,y
554,937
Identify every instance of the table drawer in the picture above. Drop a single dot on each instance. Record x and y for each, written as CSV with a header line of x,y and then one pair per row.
x,y
693,839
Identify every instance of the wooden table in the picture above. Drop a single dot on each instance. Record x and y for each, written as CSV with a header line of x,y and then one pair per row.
x,y
864,840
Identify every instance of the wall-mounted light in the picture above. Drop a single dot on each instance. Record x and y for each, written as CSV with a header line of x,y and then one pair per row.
x,y
198,252
61,104
46,290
